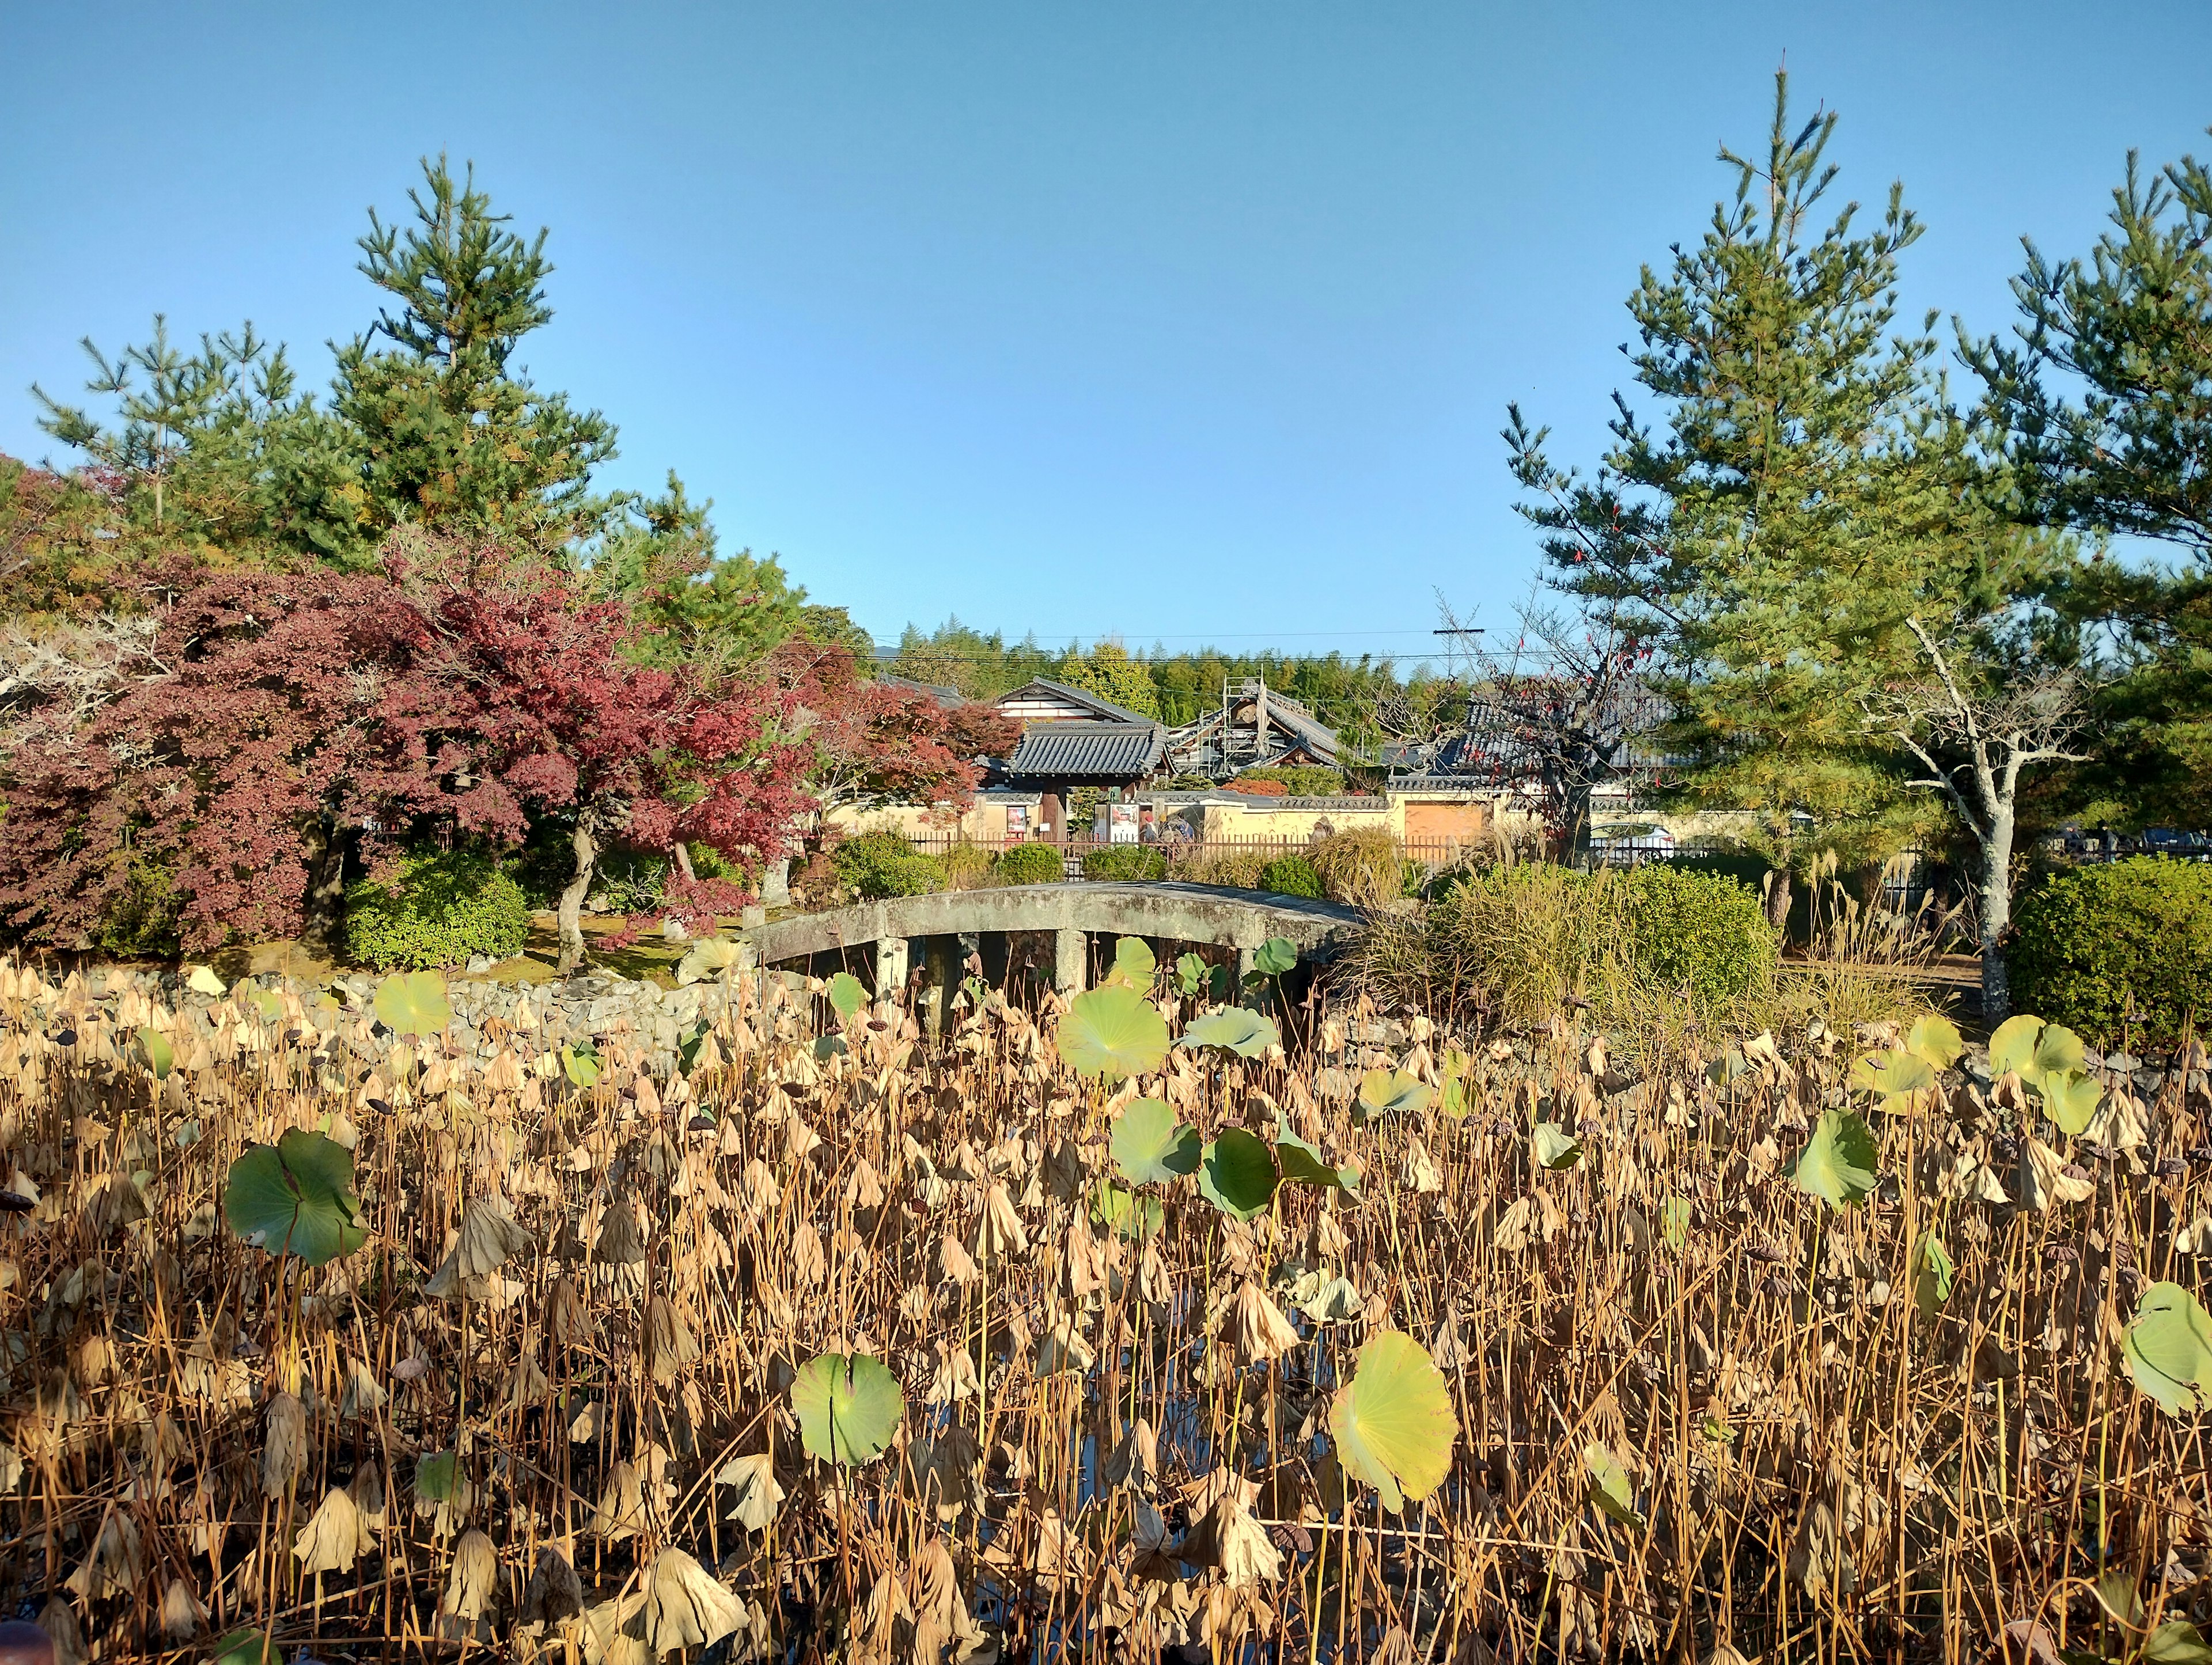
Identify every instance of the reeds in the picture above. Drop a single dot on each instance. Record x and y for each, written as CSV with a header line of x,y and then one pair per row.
x,y
568,1452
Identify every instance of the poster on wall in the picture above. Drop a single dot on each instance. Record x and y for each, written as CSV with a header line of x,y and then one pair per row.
x,y
1124,826
1017,822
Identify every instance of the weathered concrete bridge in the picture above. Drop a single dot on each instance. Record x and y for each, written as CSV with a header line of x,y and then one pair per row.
x,y
951,922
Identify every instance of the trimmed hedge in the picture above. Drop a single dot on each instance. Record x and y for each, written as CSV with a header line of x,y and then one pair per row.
x,y
1699,932
1290,875
2121,952
880,864
442,908
1125,861
1030,864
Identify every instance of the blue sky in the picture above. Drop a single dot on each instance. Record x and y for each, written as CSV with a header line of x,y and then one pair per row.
x,y
1165,321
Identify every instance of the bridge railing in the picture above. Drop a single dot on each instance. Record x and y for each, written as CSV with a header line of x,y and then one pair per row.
x,y
1231,861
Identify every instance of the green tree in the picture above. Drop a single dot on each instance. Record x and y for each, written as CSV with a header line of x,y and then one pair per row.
x,y
1109,671
447,434
2128,330
218,446
1818,539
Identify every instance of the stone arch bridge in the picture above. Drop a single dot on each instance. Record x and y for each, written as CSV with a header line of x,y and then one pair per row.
x,y
950,925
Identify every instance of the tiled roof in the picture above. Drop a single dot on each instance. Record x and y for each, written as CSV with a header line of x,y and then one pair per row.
x,y
1088,752
949,698
1105,708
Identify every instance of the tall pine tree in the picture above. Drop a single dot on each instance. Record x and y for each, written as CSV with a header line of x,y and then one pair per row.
x,y
450,433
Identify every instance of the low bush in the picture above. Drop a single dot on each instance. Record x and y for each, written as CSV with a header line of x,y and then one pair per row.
x,y
1235,869
1125,861
140,922
1290,875
1698,933
966,866
1520,942
625,882
2119,953
875,865
1362,866
442,908
1030,864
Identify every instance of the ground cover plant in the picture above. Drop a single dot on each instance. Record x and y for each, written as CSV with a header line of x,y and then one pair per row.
x,y
375,1331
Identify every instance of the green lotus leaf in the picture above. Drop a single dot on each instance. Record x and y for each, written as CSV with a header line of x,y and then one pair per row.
x,y
2177,1642
1274,956
1191,974
1608,1485
1337,1301
1233,1029
1838,1164
1303,1165
580,1064
1113,1032
1675,1215
1935,1038
1452,1098
2070,1101
1237,1173
2057,1051
414,1003
848,1407
846,994
1932,1272
826,1047
1126,1213
296,1197
1150,1146
1893,1074
161,1057
435,1474
1221,983
2013,1046
2169,1348
1553,1146
246,1647
1134,962
1391,1092
1393,1423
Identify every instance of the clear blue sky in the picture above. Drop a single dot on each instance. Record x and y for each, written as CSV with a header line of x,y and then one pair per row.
x,y
1164,321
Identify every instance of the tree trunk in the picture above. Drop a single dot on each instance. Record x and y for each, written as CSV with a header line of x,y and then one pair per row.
x,y
1777,898
1996,916
684,862
572,899
322,909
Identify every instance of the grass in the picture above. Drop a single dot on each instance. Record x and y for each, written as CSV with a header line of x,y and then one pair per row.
x,y
1694,1407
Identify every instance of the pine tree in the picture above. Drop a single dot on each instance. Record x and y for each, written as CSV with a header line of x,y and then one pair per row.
x,y
2130,328
1769,532
451,435
1818,539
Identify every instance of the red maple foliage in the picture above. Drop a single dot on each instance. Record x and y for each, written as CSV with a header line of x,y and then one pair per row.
x,y
878,742
301,712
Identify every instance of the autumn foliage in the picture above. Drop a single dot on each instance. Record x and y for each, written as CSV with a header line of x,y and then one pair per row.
x,y
300,716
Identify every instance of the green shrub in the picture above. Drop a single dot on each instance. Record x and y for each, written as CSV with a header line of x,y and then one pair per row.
x,y
2121,952
624,881
879,864
442,908
1523,938
1698,933
1030,864
1125,861
140,921
1290,875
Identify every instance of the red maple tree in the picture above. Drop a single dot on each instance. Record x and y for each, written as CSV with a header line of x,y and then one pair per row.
x,y
306,714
